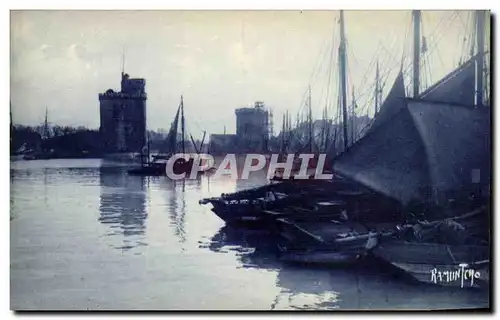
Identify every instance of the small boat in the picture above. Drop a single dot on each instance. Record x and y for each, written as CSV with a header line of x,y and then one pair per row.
x,y
448,252
150,169
327,256
157,167
326,242
308,200
438,264
246,208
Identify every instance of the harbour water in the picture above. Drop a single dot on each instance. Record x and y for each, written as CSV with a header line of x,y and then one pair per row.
x,y
85,235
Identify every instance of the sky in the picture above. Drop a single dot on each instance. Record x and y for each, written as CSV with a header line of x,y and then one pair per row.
x,y
218,60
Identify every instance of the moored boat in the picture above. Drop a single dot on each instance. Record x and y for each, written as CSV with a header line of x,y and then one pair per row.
x,y
158,166
438,264
325,242
247,208
450,252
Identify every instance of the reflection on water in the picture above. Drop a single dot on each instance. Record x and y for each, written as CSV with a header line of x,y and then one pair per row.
x,y
298,289
85,235
123,206
254,249
175,193
177,208
364,286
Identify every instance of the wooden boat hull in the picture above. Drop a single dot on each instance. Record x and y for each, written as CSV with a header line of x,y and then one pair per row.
x,y
438,264
159,169
254,207
239,219
349,251
301,202
333,257
324,242
264,213
428,273
318,232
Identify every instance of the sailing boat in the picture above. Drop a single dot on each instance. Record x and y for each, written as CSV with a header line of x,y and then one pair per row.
x,y
157,167
415,148
433,152
41,153
148,167
426,149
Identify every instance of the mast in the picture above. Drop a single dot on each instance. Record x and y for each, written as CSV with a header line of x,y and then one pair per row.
x,y
377,89
353,117
328,124
343,89
46,124
283,135
123,61
480,17
149,149
194,144
474,35
323,128
182,125
10,114
202,141
289,130
310,122
416,52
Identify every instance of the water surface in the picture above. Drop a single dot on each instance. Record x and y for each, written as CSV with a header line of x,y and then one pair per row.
x,y
85,235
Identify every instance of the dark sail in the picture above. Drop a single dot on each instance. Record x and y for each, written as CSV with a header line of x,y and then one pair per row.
x,y
389,108
392,103
457,87
415,150
420,155
172,134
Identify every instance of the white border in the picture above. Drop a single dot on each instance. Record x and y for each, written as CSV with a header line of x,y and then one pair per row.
x,y
183,4
254,4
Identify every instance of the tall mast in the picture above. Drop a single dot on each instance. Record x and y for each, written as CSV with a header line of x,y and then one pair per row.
x,y
149,148
298,122
342,61
480,16
310,122
416,52
283,134
353,115
474,35
377,89
182,125
123,61
289,125
203,141
323,127
46,124
10,113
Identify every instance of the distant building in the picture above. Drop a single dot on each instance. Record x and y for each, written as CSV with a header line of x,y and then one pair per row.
x,y
123,116
253,127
